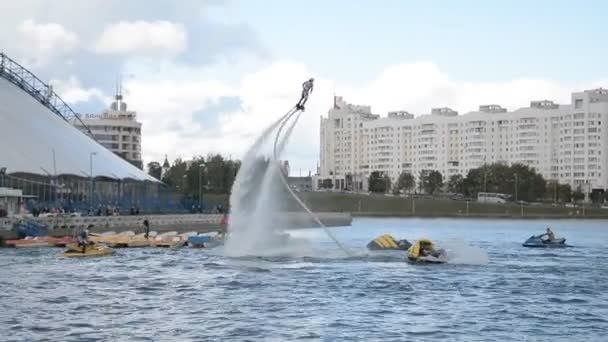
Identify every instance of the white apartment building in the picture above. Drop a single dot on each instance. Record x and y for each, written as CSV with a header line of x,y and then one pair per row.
x,y
567,143
118,130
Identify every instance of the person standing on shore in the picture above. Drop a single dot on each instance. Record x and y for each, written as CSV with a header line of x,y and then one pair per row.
x,y
146,228
223,225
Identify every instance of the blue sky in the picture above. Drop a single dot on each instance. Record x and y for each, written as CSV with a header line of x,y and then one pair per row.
x,y
471,40
208,76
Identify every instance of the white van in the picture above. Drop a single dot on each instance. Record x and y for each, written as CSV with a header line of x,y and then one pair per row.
x,y
492,197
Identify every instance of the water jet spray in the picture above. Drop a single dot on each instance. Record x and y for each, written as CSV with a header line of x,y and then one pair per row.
x,y
252,198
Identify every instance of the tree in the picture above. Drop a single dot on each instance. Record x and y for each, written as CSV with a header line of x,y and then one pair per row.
x,y
176,176
379,182
154,169
473,182
396,191
551,190
213,174
564,192
596,196
431,181
517,179
578,195
530,185
406,182
456,184
197,177
327,183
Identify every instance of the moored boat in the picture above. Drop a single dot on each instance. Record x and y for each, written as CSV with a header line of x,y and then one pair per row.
x,y
208,240
75,251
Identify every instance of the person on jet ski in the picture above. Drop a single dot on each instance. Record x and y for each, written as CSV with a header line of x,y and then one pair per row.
x,y
306,90
426,249
549,235
83,238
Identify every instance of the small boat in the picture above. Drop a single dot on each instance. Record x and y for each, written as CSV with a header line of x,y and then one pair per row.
x,y
388,242
140,240
168,239
28,242
59,241
204,240
538,242
75,251
433,256
121,240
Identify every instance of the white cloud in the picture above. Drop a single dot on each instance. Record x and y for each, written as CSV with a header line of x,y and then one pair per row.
x,y
166,105
143,38
46,40
71,91
418,87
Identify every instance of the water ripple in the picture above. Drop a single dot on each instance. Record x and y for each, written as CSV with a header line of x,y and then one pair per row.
x,y
193,295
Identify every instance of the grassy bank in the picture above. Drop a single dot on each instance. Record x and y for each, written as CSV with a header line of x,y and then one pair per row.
x,y
380,205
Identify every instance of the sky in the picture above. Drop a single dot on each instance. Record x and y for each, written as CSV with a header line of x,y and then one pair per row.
x,y
209,76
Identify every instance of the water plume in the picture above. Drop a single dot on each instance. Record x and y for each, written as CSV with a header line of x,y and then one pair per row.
x,y
459,252
257,196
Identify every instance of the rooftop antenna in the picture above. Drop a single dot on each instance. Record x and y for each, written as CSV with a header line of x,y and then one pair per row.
x,y
119,88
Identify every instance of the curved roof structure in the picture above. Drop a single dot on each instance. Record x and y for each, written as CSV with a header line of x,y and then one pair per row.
x,y
35,139
26,80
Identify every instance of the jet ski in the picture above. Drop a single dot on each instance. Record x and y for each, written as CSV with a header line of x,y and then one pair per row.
x,y
387,242
538,241
433,256
75,251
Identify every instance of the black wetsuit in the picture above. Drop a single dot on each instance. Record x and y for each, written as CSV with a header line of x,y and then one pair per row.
x,y
306,90
146,229
83,238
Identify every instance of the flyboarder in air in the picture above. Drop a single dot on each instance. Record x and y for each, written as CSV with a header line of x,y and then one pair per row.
x,y
306,90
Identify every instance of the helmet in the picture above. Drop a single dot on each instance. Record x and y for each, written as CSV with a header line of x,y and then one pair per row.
x,y
311,79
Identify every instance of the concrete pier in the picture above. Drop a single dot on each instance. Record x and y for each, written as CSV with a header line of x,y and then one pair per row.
x,y
65,225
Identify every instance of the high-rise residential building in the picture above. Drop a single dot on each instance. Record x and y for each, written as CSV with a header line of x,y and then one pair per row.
x,y
566,143
117,129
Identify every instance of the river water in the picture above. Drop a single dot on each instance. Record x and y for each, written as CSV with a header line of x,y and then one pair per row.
x,y
497,290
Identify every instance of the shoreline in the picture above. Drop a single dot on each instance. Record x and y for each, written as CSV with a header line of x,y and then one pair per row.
x,y
478,216
201,223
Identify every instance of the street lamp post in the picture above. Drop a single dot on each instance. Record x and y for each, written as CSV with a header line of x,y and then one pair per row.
x,y
91,176
200,185
555,192
388,184
485,175
485,178
516,187
2,174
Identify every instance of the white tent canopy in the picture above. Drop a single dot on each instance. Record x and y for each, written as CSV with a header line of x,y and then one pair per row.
x,y
35,140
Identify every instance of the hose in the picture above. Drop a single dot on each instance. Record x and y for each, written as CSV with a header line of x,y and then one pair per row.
x,y
285,119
